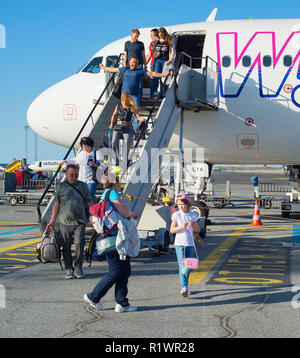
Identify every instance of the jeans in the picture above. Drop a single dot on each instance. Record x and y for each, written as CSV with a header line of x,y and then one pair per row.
x,y
127,136
92,188
118,274
67,232
181,253
135,122
158,67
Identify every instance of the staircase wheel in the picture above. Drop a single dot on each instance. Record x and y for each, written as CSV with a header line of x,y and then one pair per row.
x,y
166,240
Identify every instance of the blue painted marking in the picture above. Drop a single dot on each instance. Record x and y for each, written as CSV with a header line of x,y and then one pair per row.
x,y
293,96
16,231
296,234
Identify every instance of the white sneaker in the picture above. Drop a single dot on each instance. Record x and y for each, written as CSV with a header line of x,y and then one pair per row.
x,y
79,273
129,308
97,306
184,292
69,274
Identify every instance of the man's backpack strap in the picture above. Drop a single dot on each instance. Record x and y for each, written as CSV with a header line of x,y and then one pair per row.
x,y
78,191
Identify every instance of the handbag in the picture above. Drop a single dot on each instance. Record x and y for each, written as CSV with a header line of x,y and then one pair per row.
x,y
94,169
190,263
106,244
120,127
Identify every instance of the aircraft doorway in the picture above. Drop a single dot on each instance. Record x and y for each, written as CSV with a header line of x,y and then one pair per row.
x,y
192,45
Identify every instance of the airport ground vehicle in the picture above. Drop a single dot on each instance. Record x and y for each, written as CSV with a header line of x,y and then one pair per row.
x,y
20,189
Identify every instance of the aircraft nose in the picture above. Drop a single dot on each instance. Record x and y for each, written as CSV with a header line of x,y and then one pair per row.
x,y
58,113
37,116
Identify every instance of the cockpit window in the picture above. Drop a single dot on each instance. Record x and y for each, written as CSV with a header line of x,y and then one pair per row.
x,y
111,61
93,66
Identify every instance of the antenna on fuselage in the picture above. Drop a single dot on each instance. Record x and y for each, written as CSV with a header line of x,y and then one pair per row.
x,y
212,16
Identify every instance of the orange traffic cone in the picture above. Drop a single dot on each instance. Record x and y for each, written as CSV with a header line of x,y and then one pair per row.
x,y
256,217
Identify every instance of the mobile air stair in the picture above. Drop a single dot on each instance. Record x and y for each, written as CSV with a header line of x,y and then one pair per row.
x,y
189,89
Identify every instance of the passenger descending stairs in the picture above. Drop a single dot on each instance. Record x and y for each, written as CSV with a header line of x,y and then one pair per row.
x,y
163,128
188,89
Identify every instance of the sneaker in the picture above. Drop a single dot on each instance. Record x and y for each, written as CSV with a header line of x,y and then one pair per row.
x,y
129,308
184,292
79,273
97,306
69,274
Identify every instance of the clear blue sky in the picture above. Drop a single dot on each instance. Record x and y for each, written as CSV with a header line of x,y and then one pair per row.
x,y
49,40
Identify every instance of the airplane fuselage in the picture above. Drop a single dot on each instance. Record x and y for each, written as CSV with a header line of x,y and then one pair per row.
x,y
258,118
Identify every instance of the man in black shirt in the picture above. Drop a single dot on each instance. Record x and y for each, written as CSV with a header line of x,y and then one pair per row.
x,y
134,48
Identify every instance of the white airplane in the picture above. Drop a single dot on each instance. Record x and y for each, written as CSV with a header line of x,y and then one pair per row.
x,y
257,120
44,165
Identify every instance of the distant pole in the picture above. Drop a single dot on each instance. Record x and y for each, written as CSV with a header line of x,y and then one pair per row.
x,y
35,147
26,142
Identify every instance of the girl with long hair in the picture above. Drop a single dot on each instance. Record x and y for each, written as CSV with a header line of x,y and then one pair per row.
x,y
162,53
121,124
184,223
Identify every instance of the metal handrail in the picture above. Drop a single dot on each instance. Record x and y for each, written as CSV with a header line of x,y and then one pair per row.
x,y
75,140
160,95
205,59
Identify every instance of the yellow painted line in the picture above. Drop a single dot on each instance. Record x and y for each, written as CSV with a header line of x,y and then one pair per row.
x,y
248,281
21,260
13,267
20,253
210,261
226,272
22,244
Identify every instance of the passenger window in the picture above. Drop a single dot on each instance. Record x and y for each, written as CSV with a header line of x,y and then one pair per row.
x,y
93,66
112,61
246,61
287,61
267,61
226,61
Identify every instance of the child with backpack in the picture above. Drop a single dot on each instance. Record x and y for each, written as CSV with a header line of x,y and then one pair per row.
x,y
184,223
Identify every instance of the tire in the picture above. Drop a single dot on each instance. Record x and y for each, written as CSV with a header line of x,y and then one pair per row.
x,y
13,201
22,200
166,240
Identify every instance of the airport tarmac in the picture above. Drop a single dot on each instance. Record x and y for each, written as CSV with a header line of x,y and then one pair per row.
x,y
246,286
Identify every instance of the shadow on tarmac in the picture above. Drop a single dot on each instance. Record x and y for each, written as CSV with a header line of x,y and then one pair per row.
x,y
265,295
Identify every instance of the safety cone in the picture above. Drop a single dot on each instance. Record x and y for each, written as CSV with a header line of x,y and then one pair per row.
x,y
256,217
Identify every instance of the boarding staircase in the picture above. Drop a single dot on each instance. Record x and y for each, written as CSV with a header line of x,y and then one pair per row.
x,y
189,89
